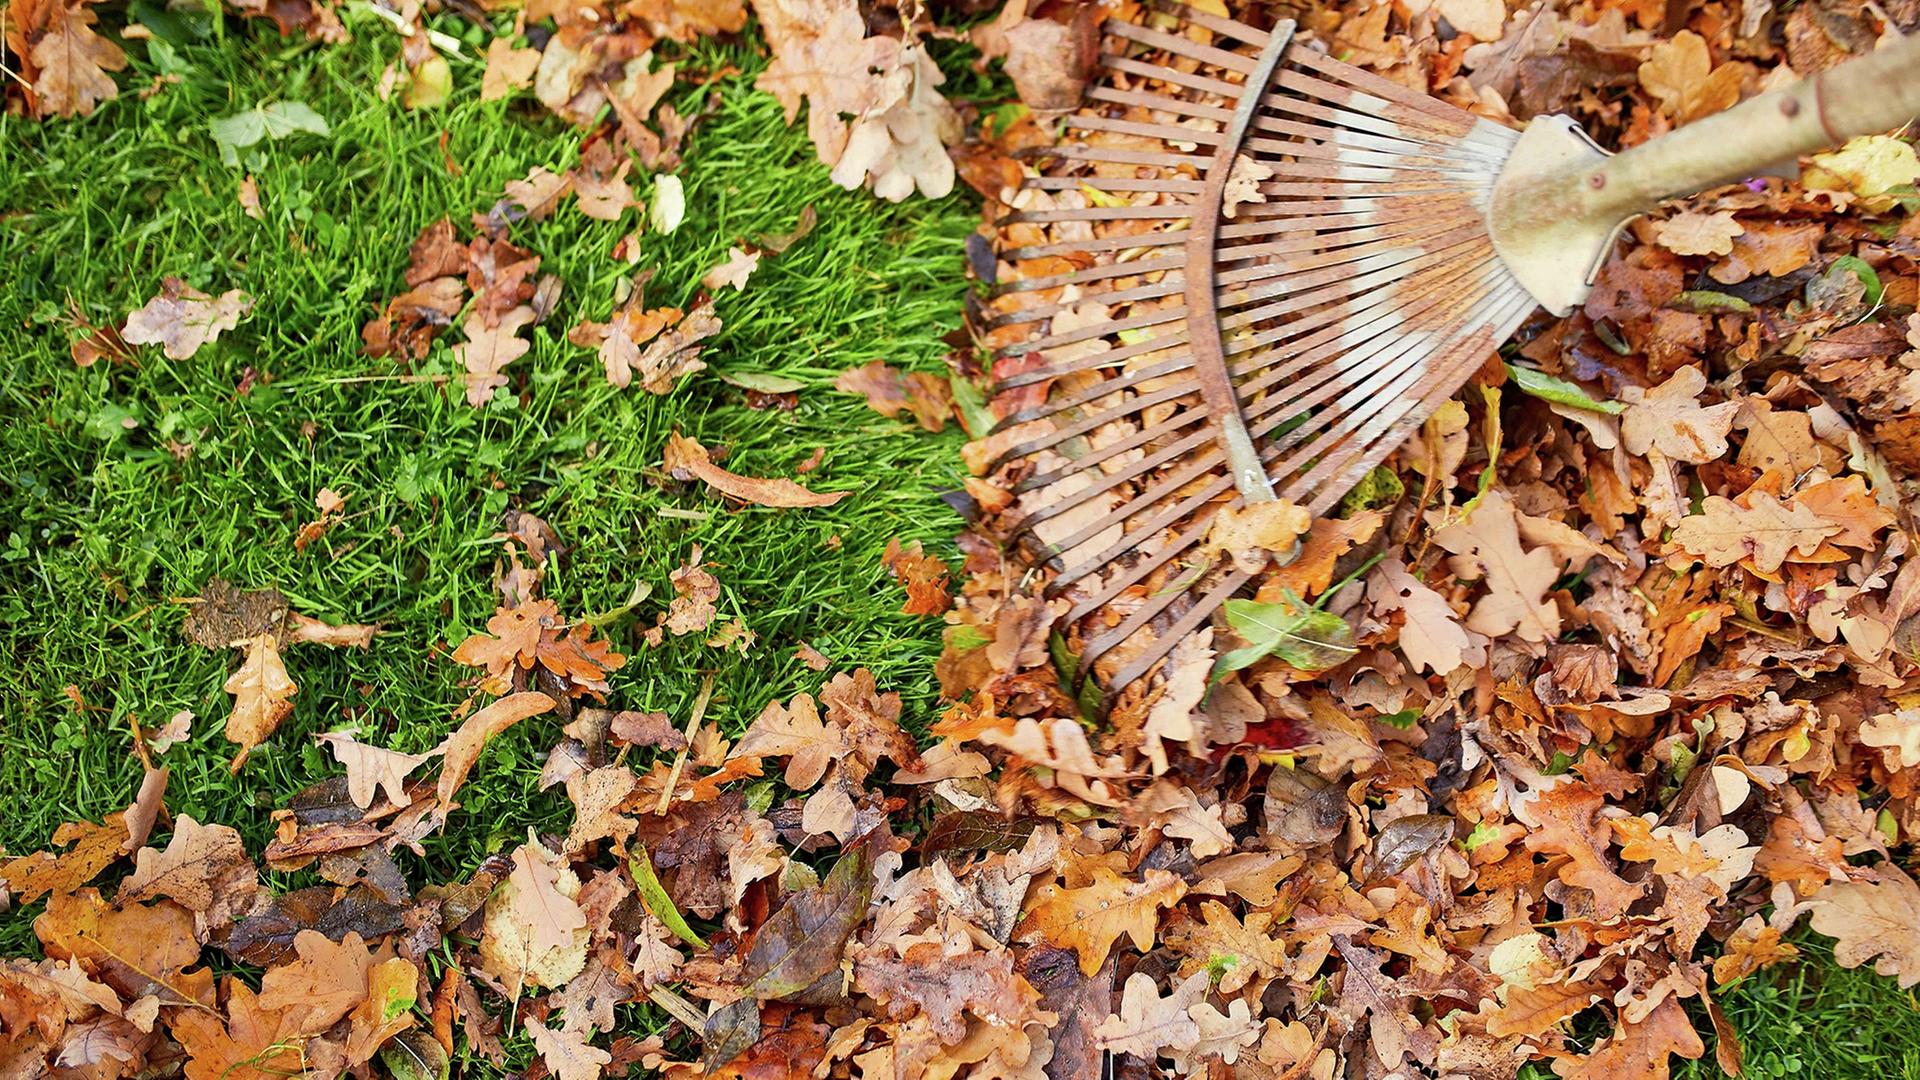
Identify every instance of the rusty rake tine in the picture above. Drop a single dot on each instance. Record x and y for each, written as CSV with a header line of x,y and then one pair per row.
x,y
1092,213
1088,395
1082,426
1161,73
1171,133
1189,621
1366,81
1180,46
1139,571
1171,425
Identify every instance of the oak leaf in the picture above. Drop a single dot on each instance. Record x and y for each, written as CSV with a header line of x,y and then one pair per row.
x,y
675,351
1565,819
1486,545
1765,530
95,847
508,69
373,767
262,696
534,932
1252,534
1147,1022
488,349
65,61
888,390
182,318
1639,1050
944,988
1692,232
1431,635
686,458
1061,746
324,982
253,1044
1877,919
1669,418
923,576
204,868
795,732
1680,74
1896,733
1089,920
804,939
620,338
739,265
567,1053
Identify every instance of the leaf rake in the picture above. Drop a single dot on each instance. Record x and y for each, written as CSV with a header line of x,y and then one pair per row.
x,y
1272,267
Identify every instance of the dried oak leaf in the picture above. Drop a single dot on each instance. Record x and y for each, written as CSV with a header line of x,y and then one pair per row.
x,y
1641,1049
508,69
64,62
1765,530
1680,75
600,182
1669,418
490,348
686,459
1088,920
262,696
1877,919
95,847
1486,545
619,339
1693,232
1147,1022
204,868
1566,819
253,1044
567,1053
644,729
739,265
796,732
182,318
888,390
371,767
1431,635
944,988
1775,248
923,576
695,589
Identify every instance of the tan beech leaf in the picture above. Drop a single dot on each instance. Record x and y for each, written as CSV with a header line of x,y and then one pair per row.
x,y
462,748
567,1053
1147,1022
1875,920
262,696
1767,531
1669,418
944,988
1642,1050
1898,736
204,868
508,69
488,349
552,916
687,458
1486,545
1088,920
795,732
739,264
182,318
371,767
1431,636
1692,232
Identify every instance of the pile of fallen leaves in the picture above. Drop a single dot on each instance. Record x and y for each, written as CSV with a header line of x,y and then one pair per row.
x,y
1558,728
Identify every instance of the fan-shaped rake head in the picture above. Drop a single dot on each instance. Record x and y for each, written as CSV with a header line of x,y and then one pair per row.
x,y
1264,268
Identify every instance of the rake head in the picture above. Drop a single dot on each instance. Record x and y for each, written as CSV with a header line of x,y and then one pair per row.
x,y
1265,269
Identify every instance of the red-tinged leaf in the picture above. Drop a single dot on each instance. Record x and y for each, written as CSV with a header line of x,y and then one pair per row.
x,y
804,939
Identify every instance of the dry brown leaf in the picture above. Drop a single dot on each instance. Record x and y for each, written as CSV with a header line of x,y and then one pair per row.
x,y
488,349
1669,418
462,748
1253,533
1766,531
65,61
1431,636
1641,1049
795,732
924,577
567,1053
1693,232
262,696
372,767
1147,1022
688,459
1680,75
1877,919
508,69
739,265
1089,920
95,847
204,868
1486,545
182,318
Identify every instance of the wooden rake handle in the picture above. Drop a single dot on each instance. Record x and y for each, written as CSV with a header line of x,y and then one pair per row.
x,y
1873,93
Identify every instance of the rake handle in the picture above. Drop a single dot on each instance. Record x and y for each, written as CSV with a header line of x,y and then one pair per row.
x,y
1870,94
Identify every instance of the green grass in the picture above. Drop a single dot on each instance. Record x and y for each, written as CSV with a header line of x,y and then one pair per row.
x,y
101,528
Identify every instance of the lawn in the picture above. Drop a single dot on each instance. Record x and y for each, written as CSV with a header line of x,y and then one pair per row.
x,y
108,520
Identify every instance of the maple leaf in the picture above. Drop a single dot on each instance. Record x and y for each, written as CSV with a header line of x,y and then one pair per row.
x,y
1669,418
1486,544
182,318
462,748
371,767
488,349
1766,531
205,868
1088,920
686,458
567,1053
1876,918
1147,1022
